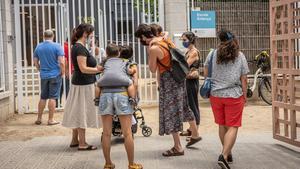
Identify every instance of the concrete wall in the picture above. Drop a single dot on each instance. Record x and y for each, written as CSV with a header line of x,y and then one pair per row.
x,y
175,16
7,97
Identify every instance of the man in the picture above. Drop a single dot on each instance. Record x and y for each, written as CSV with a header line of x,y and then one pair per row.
x,y
49,60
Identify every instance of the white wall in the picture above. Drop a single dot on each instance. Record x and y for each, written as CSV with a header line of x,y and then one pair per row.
x,y
7,97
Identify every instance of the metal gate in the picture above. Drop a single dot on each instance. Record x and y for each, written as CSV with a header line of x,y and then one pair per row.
x,y
285,51
114,21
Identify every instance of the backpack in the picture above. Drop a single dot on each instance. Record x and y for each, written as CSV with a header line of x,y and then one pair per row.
x,y
179,66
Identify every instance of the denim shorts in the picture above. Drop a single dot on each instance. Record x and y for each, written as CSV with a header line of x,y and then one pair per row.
x,y
50,88
114,104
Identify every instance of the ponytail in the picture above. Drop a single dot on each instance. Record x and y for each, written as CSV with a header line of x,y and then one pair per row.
x,y
78,32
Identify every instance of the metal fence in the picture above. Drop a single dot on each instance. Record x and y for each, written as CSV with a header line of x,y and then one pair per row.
x,y
248,20
2,65
114,21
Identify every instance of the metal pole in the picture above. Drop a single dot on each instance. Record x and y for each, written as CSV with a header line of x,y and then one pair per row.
x,y
127,23
104,34
31,51
18,56
110,23
139,47
116,22
133,27
161,13
122,27
79,11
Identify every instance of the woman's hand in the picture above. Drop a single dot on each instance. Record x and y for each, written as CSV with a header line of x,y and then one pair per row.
x,y
193,74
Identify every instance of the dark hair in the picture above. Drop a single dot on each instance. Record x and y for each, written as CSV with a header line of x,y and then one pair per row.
x,y
126,52
156,29
112,50
144,29
80,30
190,36
229,47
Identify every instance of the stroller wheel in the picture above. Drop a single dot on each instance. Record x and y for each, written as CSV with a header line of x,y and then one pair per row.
x,y
146,131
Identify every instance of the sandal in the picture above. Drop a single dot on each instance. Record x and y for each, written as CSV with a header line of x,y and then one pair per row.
x,y
172,152
38,122
193,141
109,166
53,123
135,166
186,133
74,145
88,148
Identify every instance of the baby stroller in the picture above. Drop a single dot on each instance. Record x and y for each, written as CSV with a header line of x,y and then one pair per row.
x,y
138,116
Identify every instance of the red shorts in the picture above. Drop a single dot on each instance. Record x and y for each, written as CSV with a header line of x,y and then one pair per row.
x,y
228,111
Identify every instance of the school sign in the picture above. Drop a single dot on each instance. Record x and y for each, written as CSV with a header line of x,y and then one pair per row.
x,y
203,23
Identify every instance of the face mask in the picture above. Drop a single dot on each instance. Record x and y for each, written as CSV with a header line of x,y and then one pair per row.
x,y
186,44
143,42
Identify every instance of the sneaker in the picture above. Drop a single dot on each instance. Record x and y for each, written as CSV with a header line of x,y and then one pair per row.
x,y
222,162
230,159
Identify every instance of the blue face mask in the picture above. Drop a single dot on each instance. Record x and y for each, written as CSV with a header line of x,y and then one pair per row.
x,y
186,44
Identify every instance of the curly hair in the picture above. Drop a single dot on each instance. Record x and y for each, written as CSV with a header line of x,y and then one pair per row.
x,y
190,36
80,30
144,29
229,47
126,52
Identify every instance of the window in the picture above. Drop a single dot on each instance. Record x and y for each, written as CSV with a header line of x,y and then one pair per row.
x,y
2,69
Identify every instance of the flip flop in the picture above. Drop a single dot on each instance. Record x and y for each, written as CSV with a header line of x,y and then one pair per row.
x,y
53,123
109,166
186,133
38,122
74,145
193,141
88,148
173,152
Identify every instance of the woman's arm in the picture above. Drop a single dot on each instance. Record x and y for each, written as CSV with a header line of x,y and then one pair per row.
x,y
193,56
244,86
154,54
84,68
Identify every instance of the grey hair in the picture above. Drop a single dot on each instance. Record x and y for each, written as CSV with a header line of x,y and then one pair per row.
x,y
48,33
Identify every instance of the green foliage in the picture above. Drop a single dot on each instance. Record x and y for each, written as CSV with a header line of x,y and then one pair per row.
x,y
139,5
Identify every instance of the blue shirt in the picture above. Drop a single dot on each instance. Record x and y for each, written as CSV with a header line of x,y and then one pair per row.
x,y
47,53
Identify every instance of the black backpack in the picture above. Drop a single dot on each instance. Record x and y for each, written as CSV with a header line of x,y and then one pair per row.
x,y
179,66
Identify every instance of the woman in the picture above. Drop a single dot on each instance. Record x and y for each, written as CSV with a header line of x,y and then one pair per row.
x,y
80,112
228,92
192,80
173,107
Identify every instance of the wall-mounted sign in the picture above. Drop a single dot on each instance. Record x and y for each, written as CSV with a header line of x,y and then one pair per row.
x,y
203,23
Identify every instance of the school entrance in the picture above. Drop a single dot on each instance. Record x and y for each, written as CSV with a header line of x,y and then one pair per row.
x,y
114,21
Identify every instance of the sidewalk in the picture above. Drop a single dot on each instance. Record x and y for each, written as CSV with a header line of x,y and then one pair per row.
x,y
252,151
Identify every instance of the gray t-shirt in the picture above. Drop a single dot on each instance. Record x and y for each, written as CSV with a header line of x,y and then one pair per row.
x,y
115,73
226,80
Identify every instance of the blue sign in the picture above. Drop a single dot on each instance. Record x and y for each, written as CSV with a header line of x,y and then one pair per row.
x,y
203,23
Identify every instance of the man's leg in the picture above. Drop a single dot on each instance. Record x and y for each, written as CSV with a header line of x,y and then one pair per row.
x,y
126,130
41,107
222,132
51,107
106,137
54,92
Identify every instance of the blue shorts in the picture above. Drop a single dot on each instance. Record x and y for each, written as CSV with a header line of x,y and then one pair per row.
x,y
114,104
50,88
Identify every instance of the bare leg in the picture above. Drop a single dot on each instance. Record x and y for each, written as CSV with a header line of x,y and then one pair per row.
x,y
106,137
126,130
74,137
41,107
194,129
229,140
51,107
97,92
131,91
177,143
222,132
81,135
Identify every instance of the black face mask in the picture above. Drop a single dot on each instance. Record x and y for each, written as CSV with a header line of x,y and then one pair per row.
x,y
143,42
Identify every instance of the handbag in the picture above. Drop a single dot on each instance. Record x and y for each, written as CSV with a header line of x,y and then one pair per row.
x,y
206,86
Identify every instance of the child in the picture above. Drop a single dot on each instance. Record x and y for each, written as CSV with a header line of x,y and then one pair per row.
x,y
115,75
